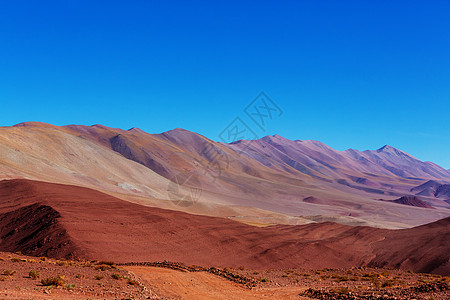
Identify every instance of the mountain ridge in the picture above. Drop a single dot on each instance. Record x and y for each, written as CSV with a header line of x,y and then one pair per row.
x,y
258,181
385,148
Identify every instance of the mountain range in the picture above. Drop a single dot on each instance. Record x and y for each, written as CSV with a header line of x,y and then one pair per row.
x,y
272,180
96,192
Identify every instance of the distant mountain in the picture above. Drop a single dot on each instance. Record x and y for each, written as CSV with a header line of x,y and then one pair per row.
x,y
432,188
264,181
443,191
317,159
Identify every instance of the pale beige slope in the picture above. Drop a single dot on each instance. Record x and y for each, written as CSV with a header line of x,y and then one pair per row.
x,y
53,155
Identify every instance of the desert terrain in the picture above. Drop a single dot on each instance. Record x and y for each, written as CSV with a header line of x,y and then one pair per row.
x,y
268,181
25,277
106,213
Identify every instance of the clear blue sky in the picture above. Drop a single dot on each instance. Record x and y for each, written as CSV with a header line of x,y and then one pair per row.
x,y
352,74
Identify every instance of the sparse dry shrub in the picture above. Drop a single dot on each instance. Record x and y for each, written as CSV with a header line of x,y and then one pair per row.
x,y
369,276
53,281
9,272
339,278
61,263
388,283
102,267
106,262
33,274
132,282
116,276
341,290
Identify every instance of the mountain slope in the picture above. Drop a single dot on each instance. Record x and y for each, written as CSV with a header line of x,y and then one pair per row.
x,y
262,182
415,248
103,227
434,189
316,158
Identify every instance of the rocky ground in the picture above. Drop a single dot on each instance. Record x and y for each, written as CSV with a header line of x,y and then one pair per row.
x,y
25,277
356,283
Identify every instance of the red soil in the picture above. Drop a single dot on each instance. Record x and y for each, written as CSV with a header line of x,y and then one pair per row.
x,y
60,220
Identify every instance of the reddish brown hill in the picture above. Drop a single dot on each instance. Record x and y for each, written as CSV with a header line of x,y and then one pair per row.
x,y
416,248
36,230
412,201
84,222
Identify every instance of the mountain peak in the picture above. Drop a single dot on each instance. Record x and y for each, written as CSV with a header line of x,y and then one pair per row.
x,y
177,131
273,138
180,134
135,129
386,148
35,124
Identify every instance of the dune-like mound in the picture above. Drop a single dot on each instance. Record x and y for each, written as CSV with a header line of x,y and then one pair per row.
x,y
412,201
86,223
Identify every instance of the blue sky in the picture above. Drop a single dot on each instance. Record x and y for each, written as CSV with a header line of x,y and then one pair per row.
x,y
352,74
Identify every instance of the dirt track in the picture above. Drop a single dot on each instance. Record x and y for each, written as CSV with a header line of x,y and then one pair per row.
x,y
202,285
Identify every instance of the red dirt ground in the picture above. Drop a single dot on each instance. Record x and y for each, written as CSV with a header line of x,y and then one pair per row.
x,y
56,220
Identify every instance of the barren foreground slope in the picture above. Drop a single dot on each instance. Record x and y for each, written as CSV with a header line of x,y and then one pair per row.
x,y
25,277
80,222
